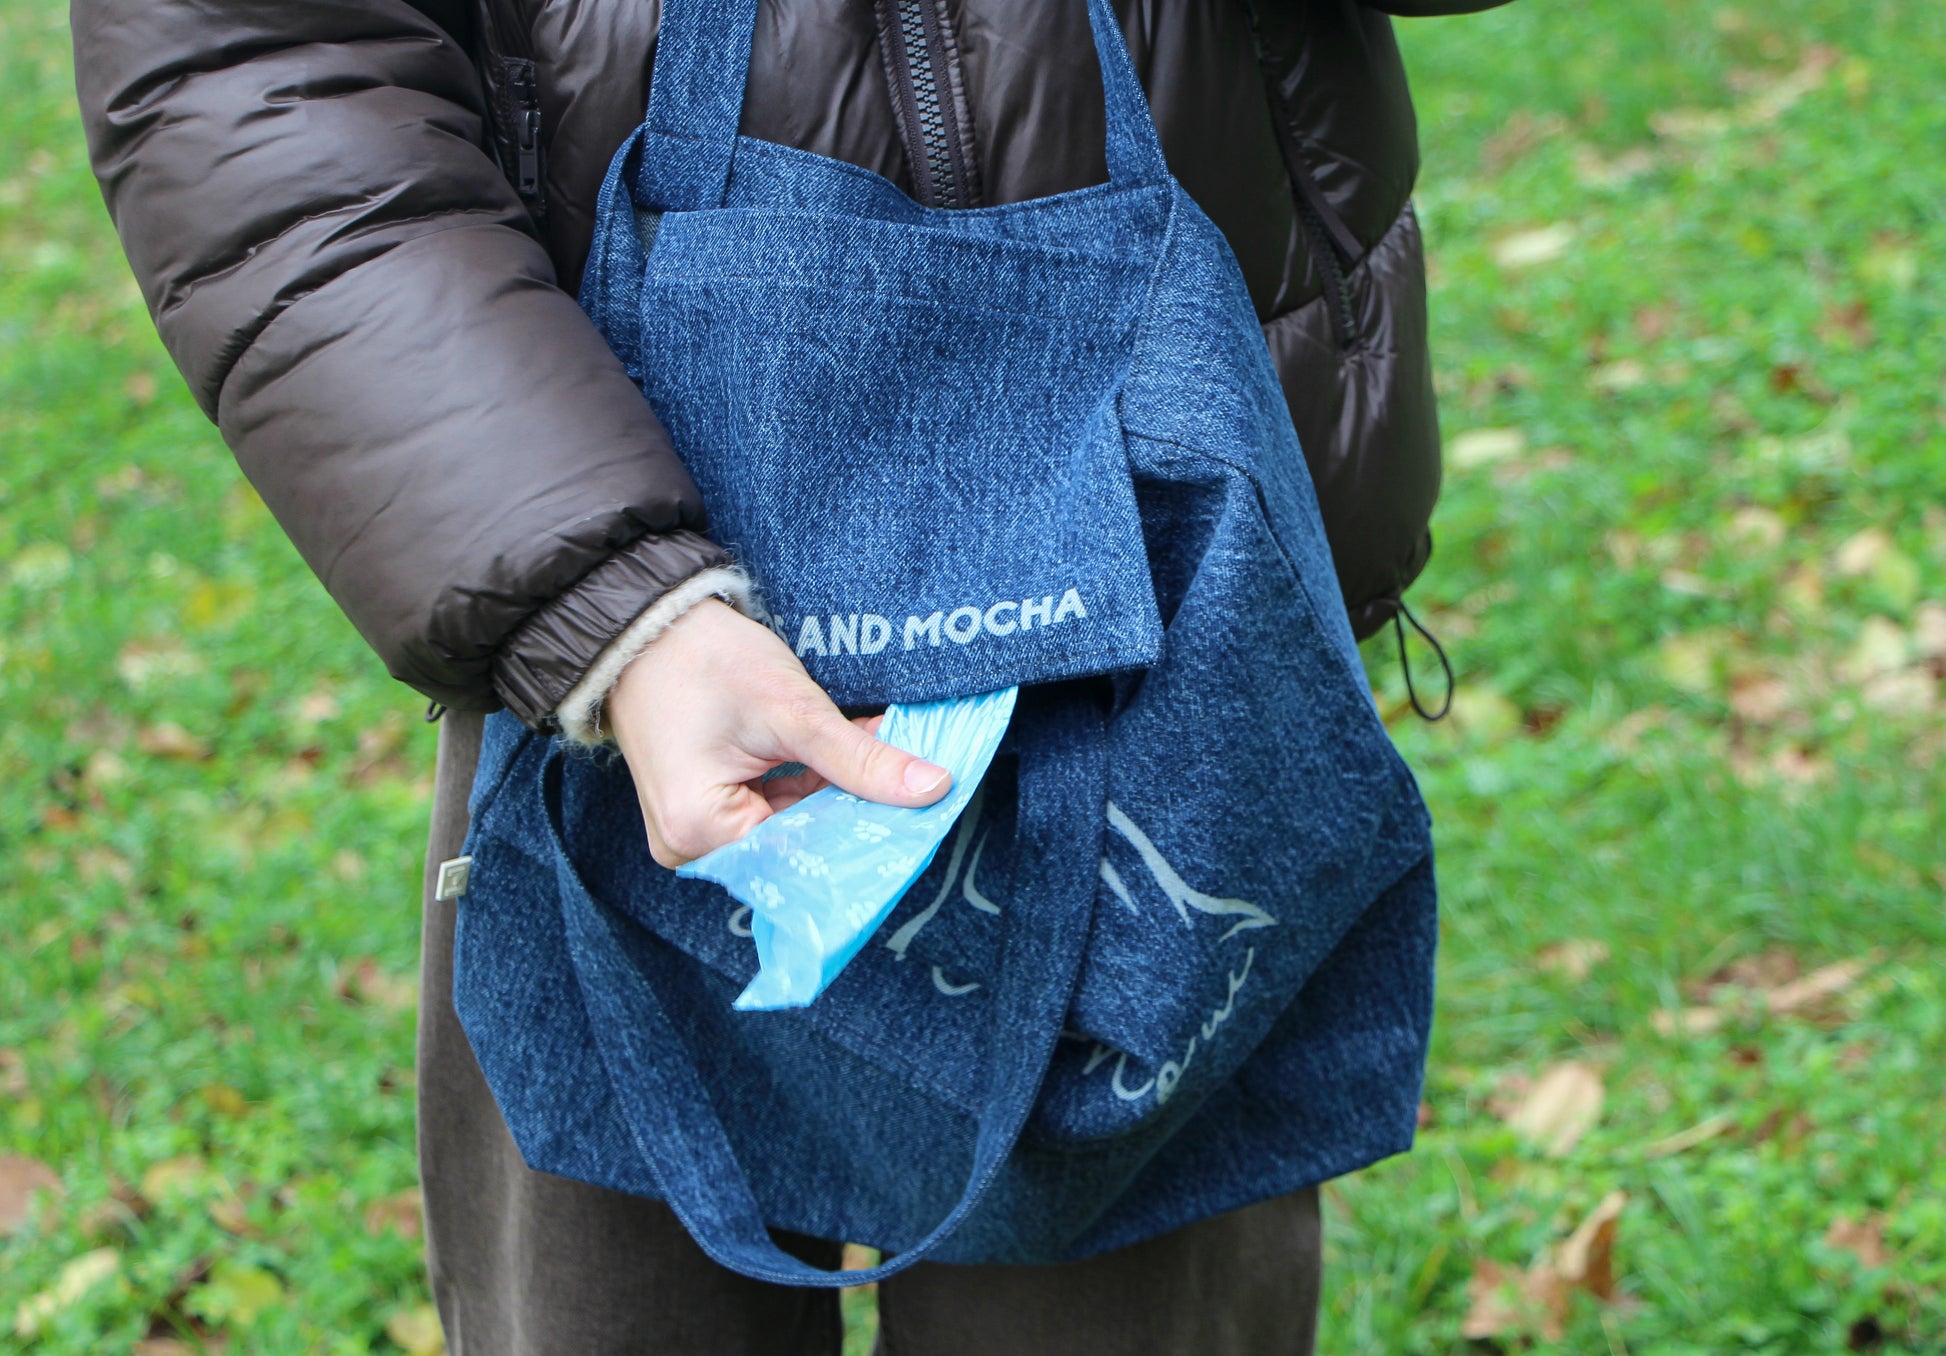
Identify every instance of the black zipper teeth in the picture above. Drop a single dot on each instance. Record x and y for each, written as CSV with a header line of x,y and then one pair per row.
x,y
1337,287
929,106
1305,196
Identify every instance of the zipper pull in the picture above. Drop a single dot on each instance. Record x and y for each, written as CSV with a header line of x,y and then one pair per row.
x,y
527,134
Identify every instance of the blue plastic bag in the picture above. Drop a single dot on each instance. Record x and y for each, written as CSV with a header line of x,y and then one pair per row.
x,y
821,876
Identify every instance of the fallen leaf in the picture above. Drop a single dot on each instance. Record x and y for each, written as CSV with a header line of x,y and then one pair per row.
x,y
1506,1301
1909,692
1586,1261
1690,661
1572,960
75,1280
314,708
1775,96
1759,698
1700,1133
1880,648
1753,526
1860,553
1768,982
1501,1303
1483,446
364,980
399,1213
21,1180
1929,631
180,1175
40,565
1863,1239
417,1330
1816,988
1623,374
1562,1105
232,1215
225,1100
1850,323
1542,245
236,1293
142,661
166,739
1483,713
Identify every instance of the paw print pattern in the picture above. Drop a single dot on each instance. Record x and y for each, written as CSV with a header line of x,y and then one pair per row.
x,y
809,864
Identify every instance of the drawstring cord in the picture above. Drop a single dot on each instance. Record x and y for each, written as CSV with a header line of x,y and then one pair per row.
x,y
1405,663
434,710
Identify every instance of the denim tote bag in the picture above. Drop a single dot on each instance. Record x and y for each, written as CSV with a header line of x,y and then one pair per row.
x,y
1176,955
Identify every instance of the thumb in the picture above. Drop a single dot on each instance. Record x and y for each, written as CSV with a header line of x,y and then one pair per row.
x,y
855,761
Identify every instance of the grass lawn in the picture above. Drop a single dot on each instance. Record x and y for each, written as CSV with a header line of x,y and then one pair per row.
x,y
1689,1076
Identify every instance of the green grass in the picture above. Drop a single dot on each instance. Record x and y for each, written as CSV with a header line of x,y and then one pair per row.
x,y
1696,726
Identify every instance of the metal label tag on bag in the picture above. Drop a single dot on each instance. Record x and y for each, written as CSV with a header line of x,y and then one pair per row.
x,y
453,877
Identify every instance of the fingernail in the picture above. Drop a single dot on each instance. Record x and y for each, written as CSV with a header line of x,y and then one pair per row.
x,y
923,778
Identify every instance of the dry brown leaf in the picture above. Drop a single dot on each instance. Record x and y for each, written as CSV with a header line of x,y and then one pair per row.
x,y
1572,960
1563,1105
1586,1260
399,1212
1768,982
1909,692
1698,1021
1759,698
1863,1239
1817,988
314,708
1499,1304
1510,1302
364,980
21,1180
166,739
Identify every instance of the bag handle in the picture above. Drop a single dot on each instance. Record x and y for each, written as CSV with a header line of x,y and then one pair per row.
x,y
702,67
1063,781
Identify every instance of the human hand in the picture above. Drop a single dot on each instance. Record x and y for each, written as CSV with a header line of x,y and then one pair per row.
x,y
716,702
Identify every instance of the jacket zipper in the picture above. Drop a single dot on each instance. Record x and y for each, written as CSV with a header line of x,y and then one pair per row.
x,y
923,75
514,85
526,134
1332,244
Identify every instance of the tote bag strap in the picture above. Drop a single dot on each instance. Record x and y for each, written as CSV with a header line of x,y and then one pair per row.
x,y
702,65
1063,784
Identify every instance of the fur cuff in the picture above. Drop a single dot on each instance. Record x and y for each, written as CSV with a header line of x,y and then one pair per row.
x,y
580,711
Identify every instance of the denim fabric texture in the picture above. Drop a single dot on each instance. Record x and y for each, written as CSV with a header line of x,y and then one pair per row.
x,y
1176,955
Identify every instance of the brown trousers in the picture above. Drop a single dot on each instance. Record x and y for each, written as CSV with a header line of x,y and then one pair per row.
x,y
526,1264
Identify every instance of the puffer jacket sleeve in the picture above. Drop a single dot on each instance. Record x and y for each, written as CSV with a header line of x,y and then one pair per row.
x,y
358,299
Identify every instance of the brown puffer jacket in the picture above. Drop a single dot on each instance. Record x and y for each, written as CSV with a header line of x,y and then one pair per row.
x,y
359,225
